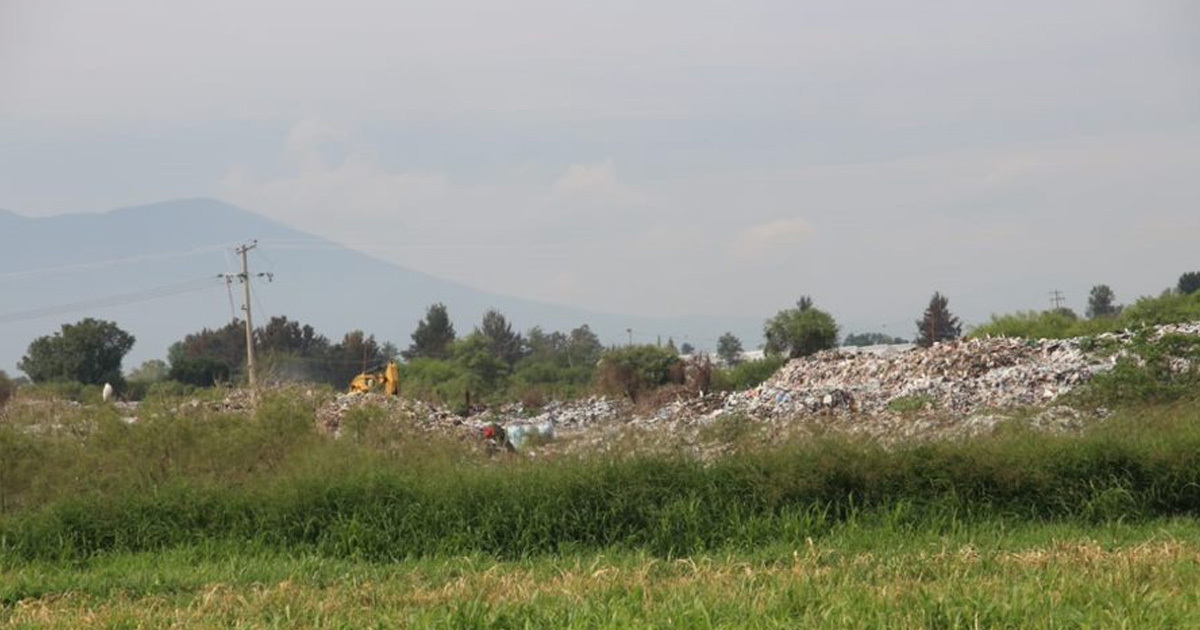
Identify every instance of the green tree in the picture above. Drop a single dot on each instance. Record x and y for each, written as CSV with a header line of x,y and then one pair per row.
x,y
89,351
729,349
1100,302
433,335
686,348
800,331
634,370
1189,283
283,336
583,348
938,324
356,352
506,345
202,371
543,346
223,351
485,369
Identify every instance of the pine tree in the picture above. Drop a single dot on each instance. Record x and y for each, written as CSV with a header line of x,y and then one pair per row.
x,y
1189,283
508,346
939,324
433,335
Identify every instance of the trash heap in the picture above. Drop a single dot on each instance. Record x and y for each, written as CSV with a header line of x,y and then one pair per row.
x,y
960,376
332,415
515,418
970,384
574,414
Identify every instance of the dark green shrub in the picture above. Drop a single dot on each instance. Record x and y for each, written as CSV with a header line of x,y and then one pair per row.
x,y
200,371
634,370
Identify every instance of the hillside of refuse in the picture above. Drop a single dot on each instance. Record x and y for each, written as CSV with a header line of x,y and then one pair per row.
x,y
956,388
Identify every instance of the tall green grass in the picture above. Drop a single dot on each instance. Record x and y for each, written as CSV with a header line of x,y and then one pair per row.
x,y
860,575
387,490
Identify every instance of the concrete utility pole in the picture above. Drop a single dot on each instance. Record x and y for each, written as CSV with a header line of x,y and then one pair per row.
x,y
245,278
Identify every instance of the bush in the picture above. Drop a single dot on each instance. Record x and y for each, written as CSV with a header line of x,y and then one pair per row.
x,y
136,390
746,375
634,370
1154,371
66,390
199,371
1169,308
436,380
8,389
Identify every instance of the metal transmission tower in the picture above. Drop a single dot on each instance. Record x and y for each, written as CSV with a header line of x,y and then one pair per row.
x,y
1057,298
244,278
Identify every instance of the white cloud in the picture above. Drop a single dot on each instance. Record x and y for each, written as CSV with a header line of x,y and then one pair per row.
x,y
310,134
769,242
594,187
347,200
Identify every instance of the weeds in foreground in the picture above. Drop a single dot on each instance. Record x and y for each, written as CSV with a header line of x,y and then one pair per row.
x,y
97,485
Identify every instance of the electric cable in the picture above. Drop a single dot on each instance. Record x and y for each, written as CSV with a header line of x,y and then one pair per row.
x,y
178,288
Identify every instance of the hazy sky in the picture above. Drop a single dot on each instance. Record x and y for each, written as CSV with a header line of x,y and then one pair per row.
x,y
656,158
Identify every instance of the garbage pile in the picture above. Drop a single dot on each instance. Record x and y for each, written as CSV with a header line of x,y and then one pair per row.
x,y
574,414
332,415
961,376
515,419
234,401
958,388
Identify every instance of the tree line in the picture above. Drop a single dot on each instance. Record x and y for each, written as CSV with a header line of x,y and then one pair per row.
x,y
494,359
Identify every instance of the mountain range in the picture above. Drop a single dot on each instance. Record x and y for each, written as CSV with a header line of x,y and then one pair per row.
x,y
160,271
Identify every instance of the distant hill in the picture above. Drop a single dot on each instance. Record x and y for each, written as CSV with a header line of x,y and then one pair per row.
x,y
108,263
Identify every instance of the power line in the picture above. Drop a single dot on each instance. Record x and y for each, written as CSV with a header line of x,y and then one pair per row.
x,y
112,300
98,264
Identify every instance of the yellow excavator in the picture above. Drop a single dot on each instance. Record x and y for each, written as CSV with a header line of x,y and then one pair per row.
x,y
387,381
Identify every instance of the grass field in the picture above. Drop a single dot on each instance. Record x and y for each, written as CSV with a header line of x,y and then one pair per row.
x,y
197,519
862,575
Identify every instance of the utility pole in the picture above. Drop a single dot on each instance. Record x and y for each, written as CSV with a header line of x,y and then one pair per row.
x,y
245,277
1056,298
